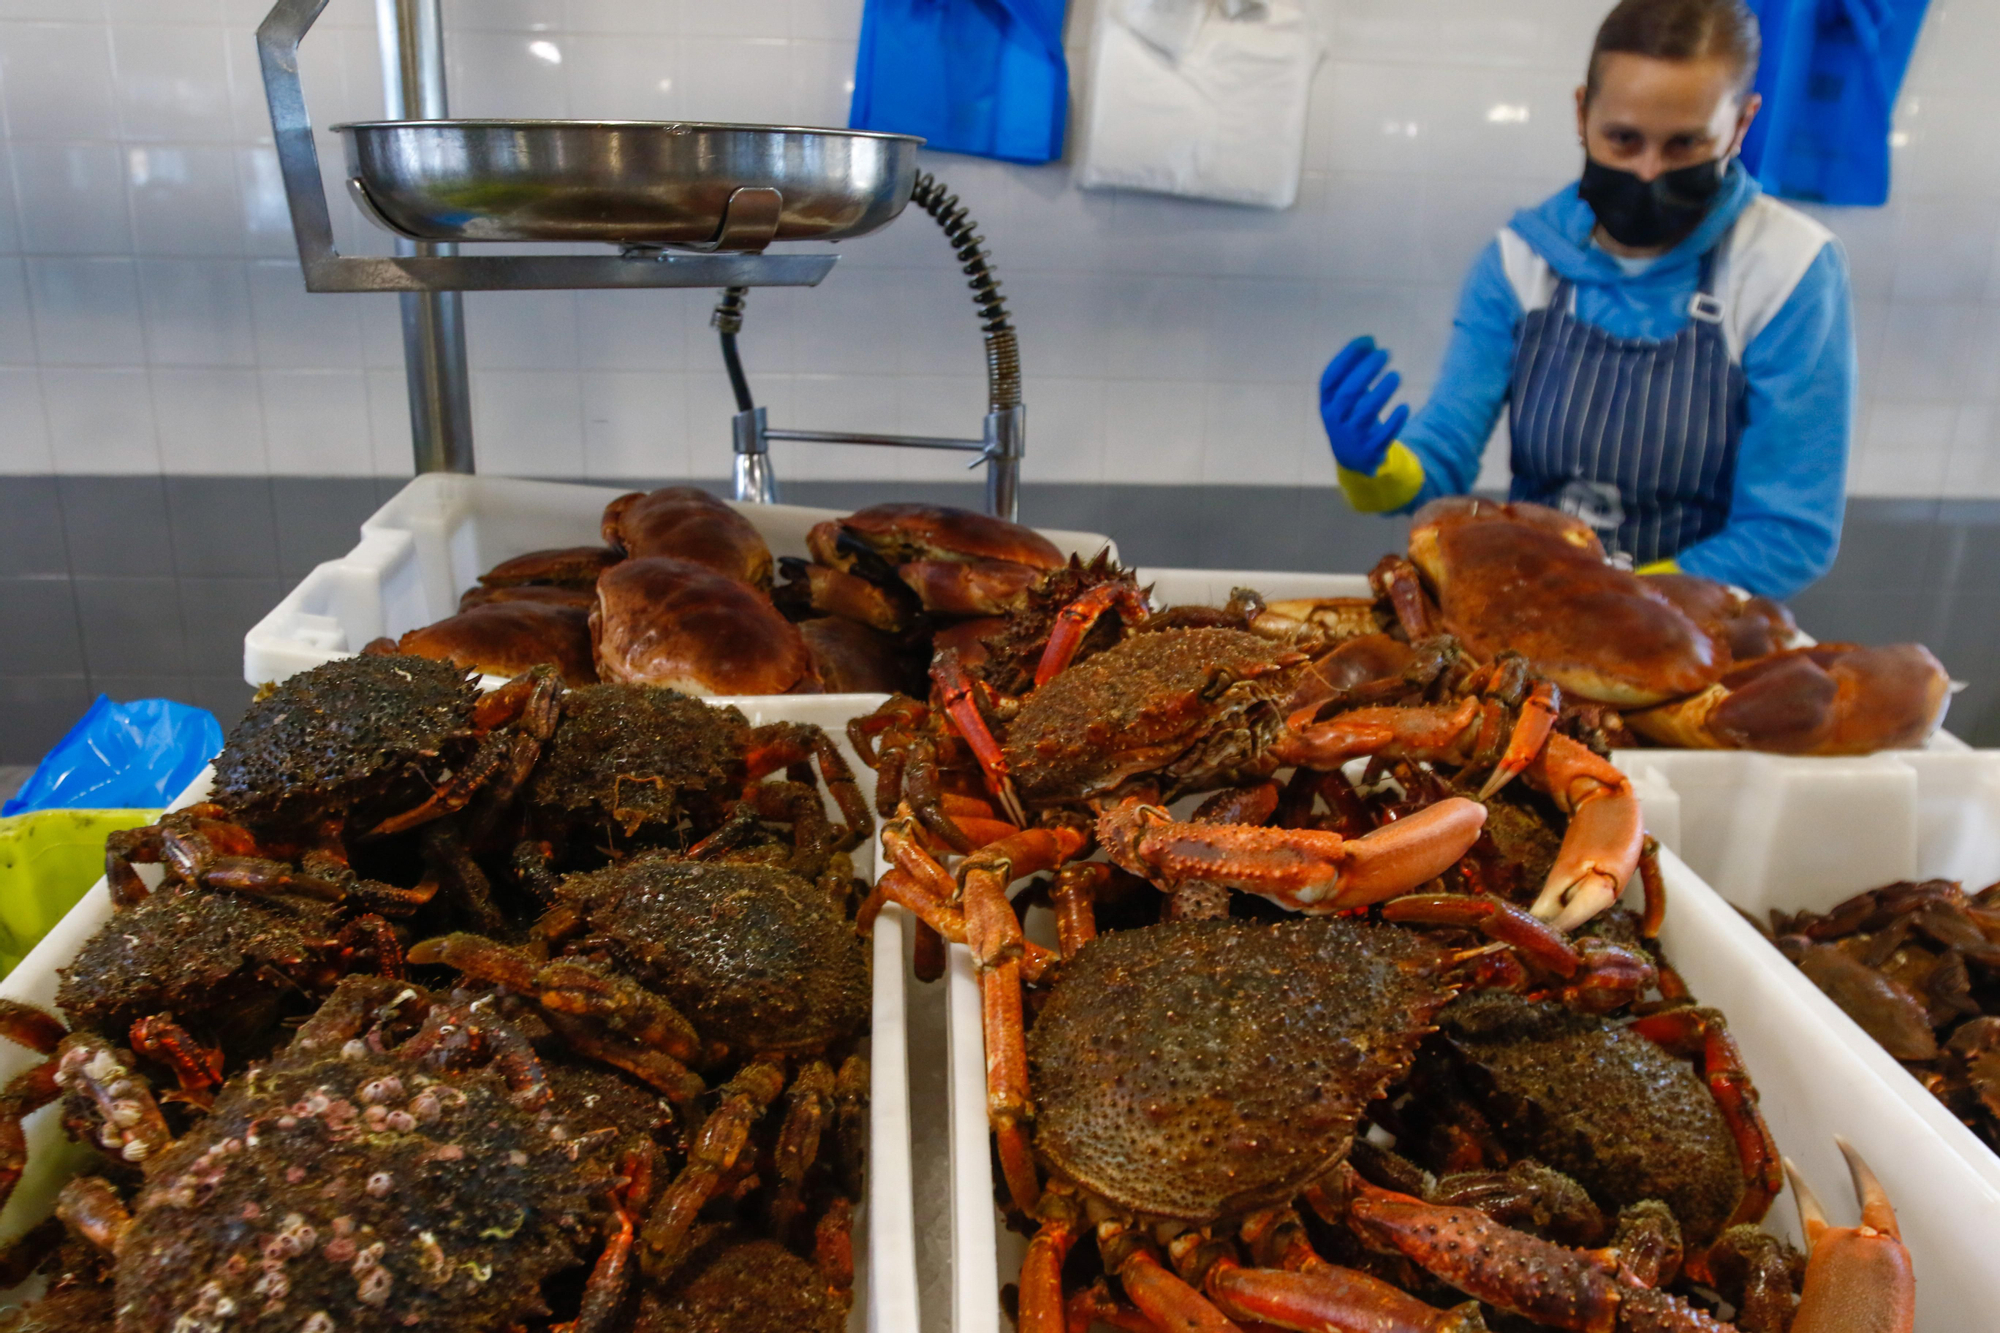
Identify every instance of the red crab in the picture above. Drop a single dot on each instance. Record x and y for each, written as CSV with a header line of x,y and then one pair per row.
x,y
1177,711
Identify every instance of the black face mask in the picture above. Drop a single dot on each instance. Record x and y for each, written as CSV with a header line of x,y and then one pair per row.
x,y
1649,214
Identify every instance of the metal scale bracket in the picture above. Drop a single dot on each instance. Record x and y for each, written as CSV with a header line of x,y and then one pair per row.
x,y
733,258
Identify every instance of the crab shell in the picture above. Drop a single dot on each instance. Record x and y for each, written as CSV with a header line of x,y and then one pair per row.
x,y
1829,699
851,658
662,621
329,737
640,755
755,957
506,638
1526,578
1199,1070
1750,626
1604,1106
222,962
550,594
358,1192
564,567
900,533
733,1285
688,524
1196,706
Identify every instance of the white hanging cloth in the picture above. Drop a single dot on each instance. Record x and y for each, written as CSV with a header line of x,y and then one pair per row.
x,y
1202,98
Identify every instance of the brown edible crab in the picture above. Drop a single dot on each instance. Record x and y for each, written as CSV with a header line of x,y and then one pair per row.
x,y
686,523
1525,578
666,621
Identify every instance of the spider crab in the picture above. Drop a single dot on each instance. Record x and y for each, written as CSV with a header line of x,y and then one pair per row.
x,y
401,1164
1175,711
636,765
673,966
1667,652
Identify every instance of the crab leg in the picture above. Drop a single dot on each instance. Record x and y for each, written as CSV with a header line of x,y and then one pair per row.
x,y
711,1158
1600,976
833,1246
993,932
1042,1309
89,1206
1531,733
1095,1305
808,1106
28,1091
1601,848
133,1127
782,744
1700,1032
1074,898
604,1291
1305,870
1326,1299
1074,621
1159,1293
956,690
1858,1279
199,1069
1519,1273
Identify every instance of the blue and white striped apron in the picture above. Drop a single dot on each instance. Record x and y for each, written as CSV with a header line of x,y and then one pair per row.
x,y
1635,436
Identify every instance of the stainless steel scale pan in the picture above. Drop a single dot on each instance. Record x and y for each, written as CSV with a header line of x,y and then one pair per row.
x,y
631,183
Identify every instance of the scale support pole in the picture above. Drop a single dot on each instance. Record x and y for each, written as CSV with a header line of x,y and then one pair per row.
x,y
411,34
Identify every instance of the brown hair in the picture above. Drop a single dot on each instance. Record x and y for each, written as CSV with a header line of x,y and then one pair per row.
x,y
1679,30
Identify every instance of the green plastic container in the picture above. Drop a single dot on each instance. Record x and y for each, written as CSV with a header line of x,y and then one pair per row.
x,y
48,860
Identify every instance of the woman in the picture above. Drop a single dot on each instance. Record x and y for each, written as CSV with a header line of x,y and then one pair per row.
x,y
1675,350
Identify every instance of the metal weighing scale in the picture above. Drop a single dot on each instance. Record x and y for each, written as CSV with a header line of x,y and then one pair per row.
x,y
685,205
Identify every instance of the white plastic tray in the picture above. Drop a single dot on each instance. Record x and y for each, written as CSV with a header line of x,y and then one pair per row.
x,y
437,535
885,1245
1773,831
1815,1083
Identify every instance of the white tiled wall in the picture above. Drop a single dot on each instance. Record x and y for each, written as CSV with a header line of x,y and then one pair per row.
x,y
151,318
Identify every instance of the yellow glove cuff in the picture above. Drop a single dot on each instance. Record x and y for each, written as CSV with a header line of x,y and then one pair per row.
x,y
1395,483
1667,566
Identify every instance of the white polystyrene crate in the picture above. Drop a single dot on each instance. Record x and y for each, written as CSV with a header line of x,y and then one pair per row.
x,y
1813,1081
436,536
1211,587
884,1238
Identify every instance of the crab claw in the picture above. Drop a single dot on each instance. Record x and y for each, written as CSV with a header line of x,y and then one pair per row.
x,y
1858,1277
1305,870
1600,849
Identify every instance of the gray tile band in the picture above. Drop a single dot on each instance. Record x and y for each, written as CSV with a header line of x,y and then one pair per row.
x,y
134,585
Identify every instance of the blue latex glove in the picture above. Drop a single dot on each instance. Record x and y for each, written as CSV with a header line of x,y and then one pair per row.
x,y
1352,409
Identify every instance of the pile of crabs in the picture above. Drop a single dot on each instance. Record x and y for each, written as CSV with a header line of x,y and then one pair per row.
x,y
682,594
1339,1024
1917,965
536,1009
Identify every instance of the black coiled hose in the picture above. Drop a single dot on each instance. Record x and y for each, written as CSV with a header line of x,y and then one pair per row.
x,y
1003,349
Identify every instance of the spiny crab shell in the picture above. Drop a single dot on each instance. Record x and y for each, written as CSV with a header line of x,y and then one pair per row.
x,y
347,1189
1195,706
635,756
1203,1069
755,957
1599,1103
338,734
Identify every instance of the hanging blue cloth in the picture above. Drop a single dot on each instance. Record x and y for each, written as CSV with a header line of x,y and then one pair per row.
x,y
1829,79
985,77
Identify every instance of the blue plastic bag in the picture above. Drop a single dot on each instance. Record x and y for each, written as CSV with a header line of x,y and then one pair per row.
x,y
985,77
123,756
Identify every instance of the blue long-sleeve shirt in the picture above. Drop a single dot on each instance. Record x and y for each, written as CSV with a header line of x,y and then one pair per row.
x,y
1788,314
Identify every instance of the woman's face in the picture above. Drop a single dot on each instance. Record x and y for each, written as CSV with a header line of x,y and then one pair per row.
x,y
1654,116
